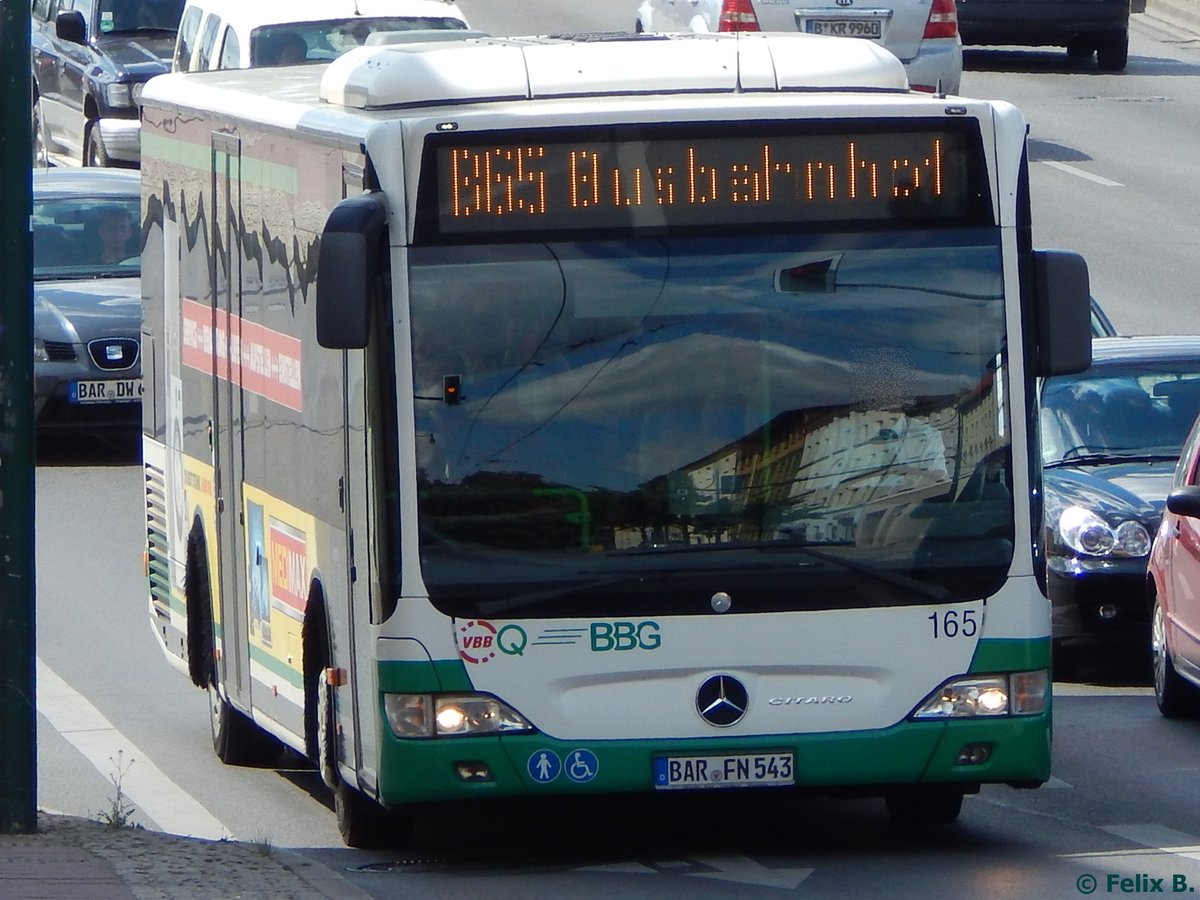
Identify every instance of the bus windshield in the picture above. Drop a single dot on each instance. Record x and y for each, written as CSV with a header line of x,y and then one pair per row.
x,y
632,426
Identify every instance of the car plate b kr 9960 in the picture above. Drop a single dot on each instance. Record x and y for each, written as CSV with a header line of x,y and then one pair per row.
x,y
860,28
734,770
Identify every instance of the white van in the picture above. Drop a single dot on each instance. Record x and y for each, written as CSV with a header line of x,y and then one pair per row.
x,y
235,34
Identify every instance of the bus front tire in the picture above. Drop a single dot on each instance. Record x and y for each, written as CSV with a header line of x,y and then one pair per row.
x,y
365,824
924,805
235,738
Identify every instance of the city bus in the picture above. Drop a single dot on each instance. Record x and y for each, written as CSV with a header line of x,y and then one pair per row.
x,y
552,417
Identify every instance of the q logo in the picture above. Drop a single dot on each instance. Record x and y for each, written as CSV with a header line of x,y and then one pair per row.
x,y
512,640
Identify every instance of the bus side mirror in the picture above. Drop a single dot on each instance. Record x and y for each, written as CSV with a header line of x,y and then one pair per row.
x,y
1064,312
349,263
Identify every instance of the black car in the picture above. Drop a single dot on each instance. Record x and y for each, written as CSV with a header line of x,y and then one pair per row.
x,y
1084,27
90,60
1110,438
87,303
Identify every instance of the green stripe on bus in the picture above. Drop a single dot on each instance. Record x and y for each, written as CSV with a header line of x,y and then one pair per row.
x,y
906,753
277,667
423,677
1011,655
199,156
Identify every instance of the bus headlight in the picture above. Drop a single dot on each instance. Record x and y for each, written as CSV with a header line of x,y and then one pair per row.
x,y
450,715
982,696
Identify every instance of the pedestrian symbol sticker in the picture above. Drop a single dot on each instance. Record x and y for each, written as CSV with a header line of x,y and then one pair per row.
x,y
544,766
582,766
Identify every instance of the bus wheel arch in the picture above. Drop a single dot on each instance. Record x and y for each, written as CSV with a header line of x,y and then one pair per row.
x,y
235,738
320,721
361,821
197,592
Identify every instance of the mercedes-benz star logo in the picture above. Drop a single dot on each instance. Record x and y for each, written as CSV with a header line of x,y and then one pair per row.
x,y
722,700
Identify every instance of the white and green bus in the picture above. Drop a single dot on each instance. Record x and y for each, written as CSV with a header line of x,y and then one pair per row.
x,y
550,417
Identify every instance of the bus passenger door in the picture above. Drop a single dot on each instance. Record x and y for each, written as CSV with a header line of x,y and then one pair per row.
x,y
228,447
358,705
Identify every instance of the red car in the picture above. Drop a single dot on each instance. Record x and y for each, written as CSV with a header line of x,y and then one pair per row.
x,y
1174,583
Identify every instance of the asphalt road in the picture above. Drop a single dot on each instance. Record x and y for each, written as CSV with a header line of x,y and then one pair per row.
x,y
1110,177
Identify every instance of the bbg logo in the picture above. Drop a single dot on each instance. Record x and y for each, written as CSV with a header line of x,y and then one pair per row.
x,y
625,636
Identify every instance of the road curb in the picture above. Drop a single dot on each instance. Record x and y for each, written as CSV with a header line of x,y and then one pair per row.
x,y
318,876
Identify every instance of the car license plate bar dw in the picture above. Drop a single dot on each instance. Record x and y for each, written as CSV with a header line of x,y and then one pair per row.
x,y
120,390
728,771
859,26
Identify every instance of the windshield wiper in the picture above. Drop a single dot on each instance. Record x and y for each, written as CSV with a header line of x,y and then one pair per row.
x,y
1104,459
544,595
935,593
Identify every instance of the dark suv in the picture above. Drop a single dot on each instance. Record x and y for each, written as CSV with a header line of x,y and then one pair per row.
x,y
90,60
1084,27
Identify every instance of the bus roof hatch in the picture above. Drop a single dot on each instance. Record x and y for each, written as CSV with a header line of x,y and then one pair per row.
x,y
483,69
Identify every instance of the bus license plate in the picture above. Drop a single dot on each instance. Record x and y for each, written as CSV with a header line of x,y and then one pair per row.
x,y
738,770
123,390
860,28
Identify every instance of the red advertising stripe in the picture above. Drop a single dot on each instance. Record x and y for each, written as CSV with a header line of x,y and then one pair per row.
x,y
259,359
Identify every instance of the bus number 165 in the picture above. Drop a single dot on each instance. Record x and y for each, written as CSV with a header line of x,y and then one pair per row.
x,y
952,623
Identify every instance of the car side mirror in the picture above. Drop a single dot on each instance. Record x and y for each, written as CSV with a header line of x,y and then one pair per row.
x,y
71,26
1185,501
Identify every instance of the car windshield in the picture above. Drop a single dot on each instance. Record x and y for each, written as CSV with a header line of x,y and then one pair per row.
x,y
123,16
76,237
293,43
1118,411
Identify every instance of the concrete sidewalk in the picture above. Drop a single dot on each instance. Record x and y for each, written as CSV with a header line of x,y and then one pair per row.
x,y
81,859
1185,13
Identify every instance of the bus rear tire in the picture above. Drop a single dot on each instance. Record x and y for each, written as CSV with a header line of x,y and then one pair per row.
x,y
924,805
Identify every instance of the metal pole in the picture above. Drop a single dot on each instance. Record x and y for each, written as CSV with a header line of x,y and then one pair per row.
x,y
18,709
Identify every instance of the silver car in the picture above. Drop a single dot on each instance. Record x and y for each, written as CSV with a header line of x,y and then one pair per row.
x,y
923,34
87,300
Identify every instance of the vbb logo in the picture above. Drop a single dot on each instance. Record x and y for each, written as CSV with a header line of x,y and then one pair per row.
x,y
477,641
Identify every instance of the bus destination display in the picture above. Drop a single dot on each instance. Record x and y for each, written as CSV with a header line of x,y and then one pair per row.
x,y
607,184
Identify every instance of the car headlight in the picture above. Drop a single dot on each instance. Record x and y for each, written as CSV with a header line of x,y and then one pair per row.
x,y
450,715
39,350
1085,532
118,95
985,696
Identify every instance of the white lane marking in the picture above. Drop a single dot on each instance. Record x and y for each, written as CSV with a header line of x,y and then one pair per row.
x,y
1080,173
743,870
88,731
621,868
1065,689
1160,838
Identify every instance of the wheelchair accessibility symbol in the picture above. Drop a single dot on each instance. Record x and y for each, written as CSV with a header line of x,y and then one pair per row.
x,y
581,766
